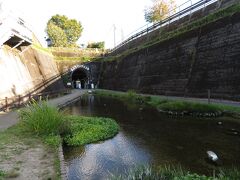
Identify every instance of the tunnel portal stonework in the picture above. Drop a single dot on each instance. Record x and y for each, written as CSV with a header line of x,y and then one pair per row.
x,y
207,58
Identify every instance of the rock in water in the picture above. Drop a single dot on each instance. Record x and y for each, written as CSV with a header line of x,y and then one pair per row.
x,y
212,156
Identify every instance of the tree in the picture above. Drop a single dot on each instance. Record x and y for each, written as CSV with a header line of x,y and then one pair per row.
x,y
159,10
69,31
99,45
57,35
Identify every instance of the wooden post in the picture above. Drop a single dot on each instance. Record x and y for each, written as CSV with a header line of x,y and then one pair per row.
x,y
6,104
209,95
19,100
29,96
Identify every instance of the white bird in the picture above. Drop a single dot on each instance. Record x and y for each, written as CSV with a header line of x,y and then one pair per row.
x,y
212,156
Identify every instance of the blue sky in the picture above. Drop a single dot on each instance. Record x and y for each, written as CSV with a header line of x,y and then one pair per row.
x,y
97,17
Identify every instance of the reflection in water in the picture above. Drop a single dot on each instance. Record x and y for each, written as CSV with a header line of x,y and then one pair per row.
x,y
96,161
148,137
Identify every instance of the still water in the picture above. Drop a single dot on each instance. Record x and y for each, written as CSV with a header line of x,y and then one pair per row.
x,y
149,137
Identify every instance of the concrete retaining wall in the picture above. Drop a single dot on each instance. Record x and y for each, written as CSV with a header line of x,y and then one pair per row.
x,y
27,71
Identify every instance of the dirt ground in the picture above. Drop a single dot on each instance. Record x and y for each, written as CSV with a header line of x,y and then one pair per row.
x,y
26,158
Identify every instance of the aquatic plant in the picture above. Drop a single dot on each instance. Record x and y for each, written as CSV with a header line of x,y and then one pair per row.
x,y
85,130
173,173
53,125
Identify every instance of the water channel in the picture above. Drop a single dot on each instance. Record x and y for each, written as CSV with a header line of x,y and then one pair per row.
x,y
149,137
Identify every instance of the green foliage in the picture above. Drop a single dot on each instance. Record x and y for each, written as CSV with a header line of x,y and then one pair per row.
x,y
48,122
2,174
42,119
57,35
63,32
173,173
159,10
85,130
190,107
99,45
82,58
52,140
229,174
169,105
43,49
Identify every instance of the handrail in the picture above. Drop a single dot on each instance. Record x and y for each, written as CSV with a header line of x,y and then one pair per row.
x,y
18,100
190,9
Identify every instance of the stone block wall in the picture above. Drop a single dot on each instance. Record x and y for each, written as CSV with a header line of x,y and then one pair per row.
x,y
207,58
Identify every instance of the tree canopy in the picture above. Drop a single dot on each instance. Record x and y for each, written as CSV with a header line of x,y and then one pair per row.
x,y
63,32
159,10
99,45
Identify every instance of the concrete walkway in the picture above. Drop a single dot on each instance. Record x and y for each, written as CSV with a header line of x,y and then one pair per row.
x,y
10,118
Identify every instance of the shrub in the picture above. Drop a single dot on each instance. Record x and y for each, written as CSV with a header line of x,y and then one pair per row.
x,y
42,119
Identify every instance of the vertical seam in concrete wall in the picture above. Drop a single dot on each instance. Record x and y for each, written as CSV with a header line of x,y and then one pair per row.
x,y
193,61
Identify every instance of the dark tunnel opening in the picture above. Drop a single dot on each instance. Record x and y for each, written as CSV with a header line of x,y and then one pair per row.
x,y
79,79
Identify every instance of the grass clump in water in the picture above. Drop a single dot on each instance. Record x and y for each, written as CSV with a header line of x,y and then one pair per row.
x,y
85,130
187,107
53,125
174,173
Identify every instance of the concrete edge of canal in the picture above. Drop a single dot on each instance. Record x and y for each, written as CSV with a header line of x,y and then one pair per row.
x,y
65,101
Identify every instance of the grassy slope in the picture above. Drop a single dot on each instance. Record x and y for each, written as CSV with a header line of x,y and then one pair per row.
x,y
165,36
172,106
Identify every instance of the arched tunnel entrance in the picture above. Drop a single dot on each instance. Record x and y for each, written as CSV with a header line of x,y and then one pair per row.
x,y
80,78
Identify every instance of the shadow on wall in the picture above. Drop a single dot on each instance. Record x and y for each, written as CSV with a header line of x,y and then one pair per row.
x,y
27,73
43,91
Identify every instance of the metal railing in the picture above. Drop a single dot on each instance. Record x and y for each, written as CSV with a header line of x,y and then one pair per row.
x,y
19,100
177,13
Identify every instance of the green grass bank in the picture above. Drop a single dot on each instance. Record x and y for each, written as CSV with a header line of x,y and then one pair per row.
x,y
172,107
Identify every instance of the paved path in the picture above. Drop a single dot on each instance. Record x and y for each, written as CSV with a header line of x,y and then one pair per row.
x,y
10,118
